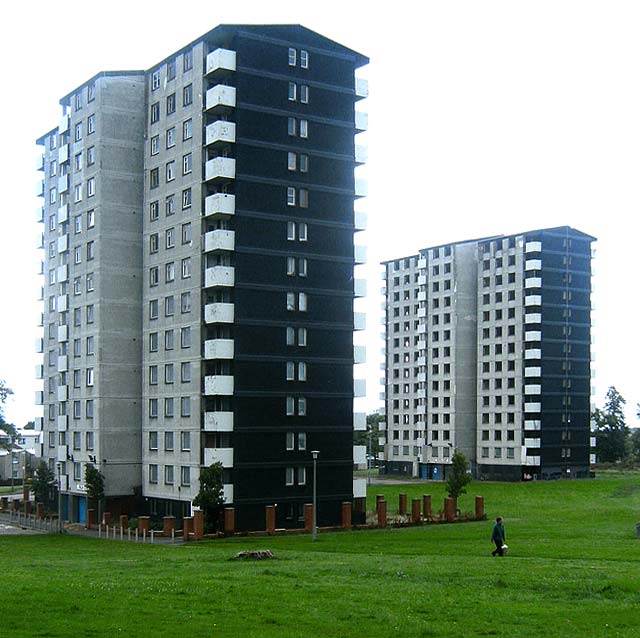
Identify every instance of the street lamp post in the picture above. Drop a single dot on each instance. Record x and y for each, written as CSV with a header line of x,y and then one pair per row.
x,y
314,527
59,467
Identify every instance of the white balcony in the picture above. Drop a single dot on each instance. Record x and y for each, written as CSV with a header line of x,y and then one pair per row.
x,y
218,421
533,247
40,188
62,273
535,353
39,423
533,264
220,168
219,276
533,300
360,421
41,294
360,254
62,303
40,162
63,333
63,392
422,296
532,407
63,127
359,220
40,241
362,88
533,372
422,312
219,240
63,244
62,423
63,363
218,349
219,313
220,204
220,131
533,335
359,488
39,214
63,183
359,321
592,441
422,280
361,154
361,121
533,282
39,345
227,493
63,214
218,385
534,388
40,323
39,371
533,317
361,187
63,153
39,397
221,59
222,455
359,288
220,95
530,460
62,455
359,354
359,454
359,388
532,424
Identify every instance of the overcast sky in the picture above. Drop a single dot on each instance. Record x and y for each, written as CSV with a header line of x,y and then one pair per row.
x,y
484,118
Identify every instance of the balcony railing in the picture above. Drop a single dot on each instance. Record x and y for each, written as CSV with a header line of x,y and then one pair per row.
x,y
220,204
218,421
219,313
218,349
220,95
220,168
220,131
219,276
221,59
218,385
222,455
219,240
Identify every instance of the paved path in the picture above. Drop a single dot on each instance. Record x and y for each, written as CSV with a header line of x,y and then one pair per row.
x,y
15,530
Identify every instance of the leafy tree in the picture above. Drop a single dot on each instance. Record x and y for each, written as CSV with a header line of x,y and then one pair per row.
x,y
370,438
94,482
210,498
635,444
612,433
30,425
43,484
8,432
459,478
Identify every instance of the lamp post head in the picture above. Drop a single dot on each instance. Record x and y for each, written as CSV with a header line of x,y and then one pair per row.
x,y
315,453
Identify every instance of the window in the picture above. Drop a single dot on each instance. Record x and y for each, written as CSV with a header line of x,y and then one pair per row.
x,y
77,259
154,177
187,61
168,409
185,407
169,237
155,80
154,211
153,473
153,375
187,95
90,250
169,206
292,57
169,305
90,377
89,282
168,339
77,413
153,440
153,309
185,476
168,373
185,372
153,408
304,94
171,103
304,128
153,243
291,196
153,276
304,59
91,187
186,267
153,342
91,124
187,129
78,101
186,233
168,474
78,132
90,345
185,302
91,92
171,170
88,440
77,471
186,164
293,92
185,337
89,409
171,137
77,193
155,112
186,198
185,441
91,218
169,272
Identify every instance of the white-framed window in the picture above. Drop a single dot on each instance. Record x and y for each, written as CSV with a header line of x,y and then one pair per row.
x,y
88,441
90,377
91,124
155,80
89,278
171,171
153,276
185,476
186,164
186,267
291,196
187,129
53,195
168,373
171,137
168,413
185,406
169,272
291,161
153,440
168,339
293,92
77,193
186,198
53,168
185,302
91,218
169,237
185,337
185,372
91,187
292,57
304,128
78,132
89,409
304,94
153,408
153,473
304,59
155,144
185,441
153,342
90,345
168,474
153,375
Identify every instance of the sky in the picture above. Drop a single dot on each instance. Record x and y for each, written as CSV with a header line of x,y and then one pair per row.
x,y
485,117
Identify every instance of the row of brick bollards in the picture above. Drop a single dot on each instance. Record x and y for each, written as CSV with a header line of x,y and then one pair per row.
x,y
421,509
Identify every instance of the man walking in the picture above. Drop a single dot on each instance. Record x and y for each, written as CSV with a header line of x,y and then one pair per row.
x,y
498,537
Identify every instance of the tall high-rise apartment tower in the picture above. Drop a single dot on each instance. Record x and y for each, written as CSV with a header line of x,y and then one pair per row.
x,y
199,277
488,352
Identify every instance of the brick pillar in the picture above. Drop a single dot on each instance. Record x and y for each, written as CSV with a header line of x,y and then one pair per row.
x,y
270,516
402,504
480,507
27,507
39,510
450,509
229,521
346,515
360,504
308,517
16,504
106,520
168,524
415,510
426,506
382,513
144,523
5,503
187,527
91,518
379,497
198,525
124,521
25,492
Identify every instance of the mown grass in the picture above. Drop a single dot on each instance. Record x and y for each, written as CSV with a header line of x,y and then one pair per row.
x,y
572,571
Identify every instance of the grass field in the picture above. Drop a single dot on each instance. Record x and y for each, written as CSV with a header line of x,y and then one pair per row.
x,y
573,571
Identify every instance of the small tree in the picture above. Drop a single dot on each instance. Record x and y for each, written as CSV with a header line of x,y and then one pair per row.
x,y
8,441
43,484
459,478
94,481
210,498
612,433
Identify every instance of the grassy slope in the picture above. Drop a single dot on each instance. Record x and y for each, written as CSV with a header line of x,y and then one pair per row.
x,y
573,570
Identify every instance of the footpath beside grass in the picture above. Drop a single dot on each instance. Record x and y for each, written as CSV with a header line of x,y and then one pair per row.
x,y
573,571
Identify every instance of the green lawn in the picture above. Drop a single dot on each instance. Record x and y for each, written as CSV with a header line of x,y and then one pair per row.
x,y
573,571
